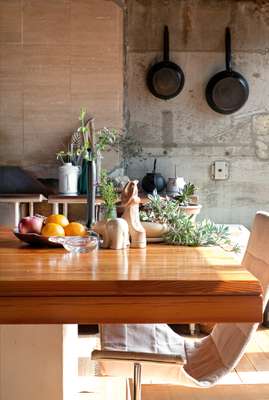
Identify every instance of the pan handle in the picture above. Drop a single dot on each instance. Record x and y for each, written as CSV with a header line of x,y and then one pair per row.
x,y
228,50
166,44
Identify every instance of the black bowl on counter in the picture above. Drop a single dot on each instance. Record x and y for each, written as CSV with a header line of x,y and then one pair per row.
x,y
153,180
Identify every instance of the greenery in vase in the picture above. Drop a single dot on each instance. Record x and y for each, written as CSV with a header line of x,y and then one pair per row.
x,y
182,229
108,193
80,144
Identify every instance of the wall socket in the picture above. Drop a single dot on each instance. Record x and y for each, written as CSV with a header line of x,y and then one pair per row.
x,y
220,170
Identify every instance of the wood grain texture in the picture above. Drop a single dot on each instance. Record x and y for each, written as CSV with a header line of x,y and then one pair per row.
x,y
157,284
128,309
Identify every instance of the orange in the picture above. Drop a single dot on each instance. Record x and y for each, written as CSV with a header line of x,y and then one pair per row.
x,y
75,229
57,219
52,229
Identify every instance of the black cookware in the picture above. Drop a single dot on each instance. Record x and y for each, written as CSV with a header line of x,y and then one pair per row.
x,y
153,180
227,91
165,79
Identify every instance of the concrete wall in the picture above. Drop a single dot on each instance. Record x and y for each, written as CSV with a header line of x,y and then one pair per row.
x,y
185,131
56,56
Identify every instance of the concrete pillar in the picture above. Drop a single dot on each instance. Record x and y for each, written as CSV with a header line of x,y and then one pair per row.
x,y
38,362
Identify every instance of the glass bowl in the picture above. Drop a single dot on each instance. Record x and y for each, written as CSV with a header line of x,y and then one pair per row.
x,y
77,244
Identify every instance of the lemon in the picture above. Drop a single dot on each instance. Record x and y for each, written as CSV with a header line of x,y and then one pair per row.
x,y
52,229
75,229
57,219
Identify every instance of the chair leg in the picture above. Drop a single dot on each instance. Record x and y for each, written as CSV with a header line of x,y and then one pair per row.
x,y
137,381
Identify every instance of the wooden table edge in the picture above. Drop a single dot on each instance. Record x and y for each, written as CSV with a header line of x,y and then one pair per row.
x,y
131,287
130,309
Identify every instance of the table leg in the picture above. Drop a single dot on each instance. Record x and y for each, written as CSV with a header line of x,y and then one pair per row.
x,y
192,329
65,209
137,381
55,208
17,213
31,209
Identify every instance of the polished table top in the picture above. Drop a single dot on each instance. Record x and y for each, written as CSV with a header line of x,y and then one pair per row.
x,y
161,283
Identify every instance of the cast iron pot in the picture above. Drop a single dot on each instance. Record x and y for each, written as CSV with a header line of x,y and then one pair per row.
x,y
153,180
227,91
165,79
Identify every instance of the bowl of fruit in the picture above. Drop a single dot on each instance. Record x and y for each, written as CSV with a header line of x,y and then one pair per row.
x,y
56,231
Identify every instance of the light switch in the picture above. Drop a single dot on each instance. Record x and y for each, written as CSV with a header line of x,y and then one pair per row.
x,y
220,170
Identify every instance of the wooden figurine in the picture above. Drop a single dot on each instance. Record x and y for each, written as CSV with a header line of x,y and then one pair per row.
x,y
130,202
118,232
114,232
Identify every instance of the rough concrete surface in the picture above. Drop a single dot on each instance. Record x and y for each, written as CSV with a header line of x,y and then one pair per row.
x,y
57,56
184,131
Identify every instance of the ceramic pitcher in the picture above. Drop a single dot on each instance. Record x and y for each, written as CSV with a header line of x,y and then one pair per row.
x,y
68,179
174,185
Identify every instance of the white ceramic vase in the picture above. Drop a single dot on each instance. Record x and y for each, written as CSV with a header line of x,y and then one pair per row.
x,y
68,179
174,185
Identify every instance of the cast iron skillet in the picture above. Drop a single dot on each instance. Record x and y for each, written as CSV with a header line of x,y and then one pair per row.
x,y
227,91
165,79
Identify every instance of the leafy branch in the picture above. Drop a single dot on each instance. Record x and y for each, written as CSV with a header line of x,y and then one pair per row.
x,y
182,229
185,194
80,144
108,191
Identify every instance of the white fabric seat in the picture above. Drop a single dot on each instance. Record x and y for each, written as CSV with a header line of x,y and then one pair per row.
x,y
203,362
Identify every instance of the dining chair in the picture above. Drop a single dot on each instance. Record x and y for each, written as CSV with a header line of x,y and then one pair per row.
x,y
166,356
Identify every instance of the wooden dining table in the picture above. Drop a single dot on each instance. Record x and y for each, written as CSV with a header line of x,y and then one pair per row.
x,y
160,283
46,292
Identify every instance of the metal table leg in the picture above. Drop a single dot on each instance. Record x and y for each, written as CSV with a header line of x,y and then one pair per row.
x,y
137,381
31,209
17,213
55,208
65,209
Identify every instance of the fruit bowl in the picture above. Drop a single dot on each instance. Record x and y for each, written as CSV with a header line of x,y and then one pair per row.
x,y
34,239
73,244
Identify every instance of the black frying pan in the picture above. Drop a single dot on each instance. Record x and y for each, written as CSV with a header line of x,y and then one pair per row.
x,y
227,91
165,79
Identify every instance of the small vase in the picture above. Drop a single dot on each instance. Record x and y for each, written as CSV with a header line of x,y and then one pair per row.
x,y
110,213
91,186
68,179
82,183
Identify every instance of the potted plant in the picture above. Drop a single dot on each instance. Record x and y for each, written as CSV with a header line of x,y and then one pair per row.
x,y
80,149
165,219
109,195
188,201
69,172
158,211
154,216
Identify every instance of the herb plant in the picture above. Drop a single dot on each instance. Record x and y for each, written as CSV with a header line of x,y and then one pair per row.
x,y
108,193
159,210
182,229
185,194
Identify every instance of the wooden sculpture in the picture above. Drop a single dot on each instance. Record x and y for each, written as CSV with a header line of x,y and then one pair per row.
x,y
130,202
115,233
